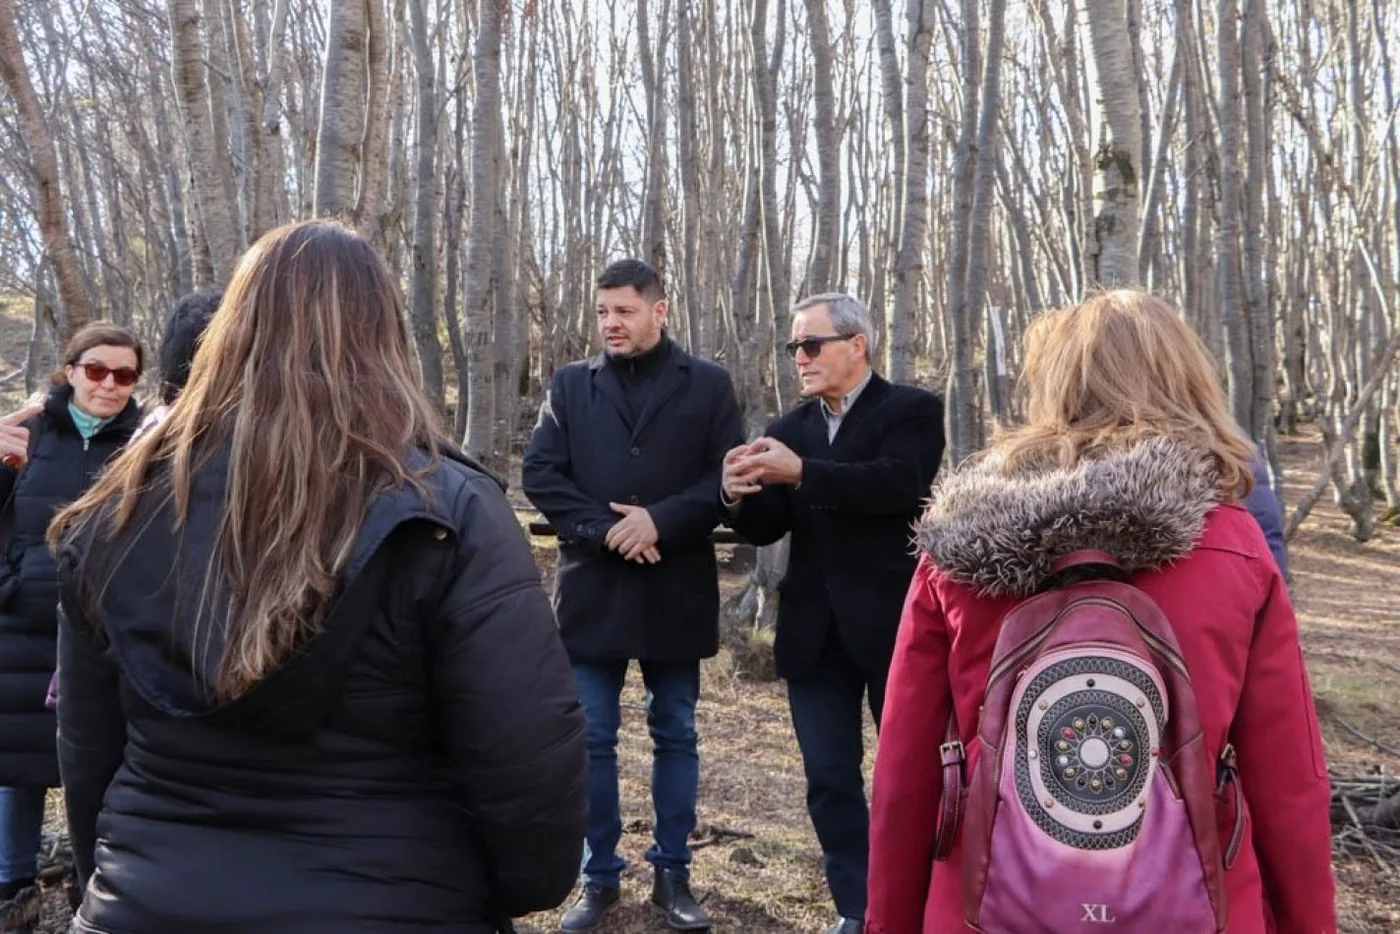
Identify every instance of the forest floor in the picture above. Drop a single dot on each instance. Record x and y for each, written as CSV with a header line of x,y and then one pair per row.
x,y
757,865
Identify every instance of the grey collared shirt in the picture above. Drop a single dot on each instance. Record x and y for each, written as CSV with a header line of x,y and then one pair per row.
x,y
834,419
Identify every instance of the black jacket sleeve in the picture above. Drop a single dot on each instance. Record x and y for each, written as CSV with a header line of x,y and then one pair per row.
x,y
692,514
547,477
896,481
91,731
763,517
508,710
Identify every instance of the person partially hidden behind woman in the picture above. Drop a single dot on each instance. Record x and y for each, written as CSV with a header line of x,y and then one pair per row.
x,y
308,678
52,452
1099,626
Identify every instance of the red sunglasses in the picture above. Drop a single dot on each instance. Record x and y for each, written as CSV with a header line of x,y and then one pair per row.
x,y
122,376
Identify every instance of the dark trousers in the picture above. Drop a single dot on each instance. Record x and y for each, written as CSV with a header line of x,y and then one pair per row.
x,y
672,689
826,715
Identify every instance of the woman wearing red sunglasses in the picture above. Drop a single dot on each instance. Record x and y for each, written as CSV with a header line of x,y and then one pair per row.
x,y
52,450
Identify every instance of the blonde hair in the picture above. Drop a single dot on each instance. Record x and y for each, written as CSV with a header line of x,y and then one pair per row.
x,y
1119,368
306,378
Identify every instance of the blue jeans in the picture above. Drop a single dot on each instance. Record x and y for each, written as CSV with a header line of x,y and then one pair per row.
x,y
672,691
21,822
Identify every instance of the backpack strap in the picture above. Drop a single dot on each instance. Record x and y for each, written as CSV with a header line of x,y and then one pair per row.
x,y
953,755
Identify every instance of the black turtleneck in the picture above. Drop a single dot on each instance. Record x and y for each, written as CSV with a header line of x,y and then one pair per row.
x,y
637,374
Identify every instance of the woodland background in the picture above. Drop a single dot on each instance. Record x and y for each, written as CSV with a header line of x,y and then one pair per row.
x,y
959,164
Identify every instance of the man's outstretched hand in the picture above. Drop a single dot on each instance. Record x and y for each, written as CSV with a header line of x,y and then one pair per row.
x,y
748,468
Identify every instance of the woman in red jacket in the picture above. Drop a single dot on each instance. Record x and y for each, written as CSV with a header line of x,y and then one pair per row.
x,y
1128,448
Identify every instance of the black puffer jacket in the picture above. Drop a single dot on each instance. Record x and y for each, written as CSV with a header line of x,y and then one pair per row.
x,y
438,787
62,466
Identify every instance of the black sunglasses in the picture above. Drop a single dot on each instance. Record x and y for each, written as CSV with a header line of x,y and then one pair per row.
x,y
97,372
812,346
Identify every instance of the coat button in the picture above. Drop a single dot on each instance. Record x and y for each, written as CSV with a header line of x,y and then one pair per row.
x,y
634,499
439,533
636,451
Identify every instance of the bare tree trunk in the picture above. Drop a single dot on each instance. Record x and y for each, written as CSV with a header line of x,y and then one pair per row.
x,y
48,202
741,302
270,198
256,200
39,359
1238,349
714,231
963,406
375,152
1113,257
182,270
342,122
102,234
218,68
822,270
1193,168
899,360
486,184
765,79
392,202
1149,241
422,307
1390,413
503,313
219,219
523,229
913,226
1078,194
1386,442
1258,314
983,196
687,135
453,202
653,219
1025,252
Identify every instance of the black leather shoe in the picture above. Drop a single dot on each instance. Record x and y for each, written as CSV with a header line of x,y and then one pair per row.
x,y
587,912
847,926
671,893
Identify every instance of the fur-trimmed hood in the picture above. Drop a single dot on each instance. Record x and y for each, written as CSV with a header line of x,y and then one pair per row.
x,y
1146,505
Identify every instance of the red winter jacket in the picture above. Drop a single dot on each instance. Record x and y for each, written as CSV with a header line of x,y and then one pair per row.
x,y
985,542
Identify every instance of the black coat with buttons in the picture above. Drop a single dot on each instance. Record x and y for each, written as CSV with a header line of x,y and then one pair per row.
x,y
587,451
851,522
62,466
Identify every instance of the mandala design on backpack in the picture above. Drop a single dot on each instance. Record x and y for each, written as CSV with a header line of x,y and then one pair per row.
x,y
1088,730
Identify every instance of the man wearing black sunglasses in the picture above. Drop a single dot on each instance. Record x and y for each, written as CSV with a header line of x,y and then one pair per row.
x,y
845,473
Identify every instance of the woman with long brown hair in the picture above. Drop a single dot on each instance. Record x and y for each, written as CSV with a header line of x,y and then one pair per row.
x,y
309,680
1098,642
